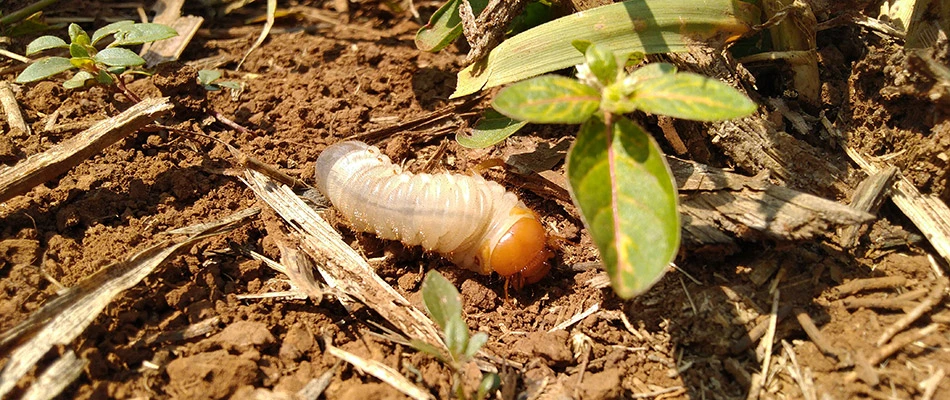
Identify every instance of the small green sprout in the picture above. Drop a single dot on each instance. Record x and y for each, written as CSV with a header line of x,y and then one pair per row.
x,y
210,79
95,65
443,303
618,175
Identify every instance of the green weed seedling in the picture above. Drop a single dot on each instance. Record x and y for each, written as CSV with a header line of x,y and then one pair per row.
x,y
618,175
95,65
210,79
443,303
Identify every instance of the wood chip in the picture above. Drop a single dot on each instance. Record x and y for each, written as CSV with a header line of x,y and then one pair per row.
x,y
713,201
168,12
928,213
868,197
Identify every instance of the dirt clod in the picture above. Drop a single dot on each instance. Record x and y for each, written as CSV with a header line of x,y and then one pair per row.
x,y
243,336
212,375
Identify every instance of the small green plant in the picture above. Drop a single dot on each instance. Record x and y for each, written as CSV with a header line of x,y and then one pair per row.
x,y
210,79
443,303
96,65
618,175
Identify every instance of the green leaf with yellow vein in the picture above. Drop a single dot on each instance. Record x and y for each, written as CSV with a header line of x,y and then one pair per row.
x,y
602,63
690,96
548,99
626,194
490,130
444,26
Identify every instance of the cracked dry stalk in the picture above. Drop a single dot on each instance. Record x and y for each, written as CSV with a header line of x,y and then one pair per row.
x,y
794,40
487,30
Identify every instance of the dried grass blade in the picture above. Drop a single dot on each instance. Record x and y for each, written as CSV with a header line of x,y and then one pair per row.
x,y
383,372
56,378
39,168
271,10
62,319
341,266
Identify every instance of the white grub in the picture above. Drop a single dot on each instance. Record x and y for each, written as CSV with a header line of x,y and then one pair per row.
x,y
462,217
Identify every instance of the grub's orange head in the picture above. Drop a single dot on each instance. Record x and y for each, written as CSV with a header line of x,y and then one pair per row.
x,y
521,254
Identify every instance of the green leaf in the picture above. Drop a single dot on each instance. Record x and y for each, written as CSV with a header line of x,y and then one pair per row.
x,y
581,45
627,197
78,35
691,96
30,26
104,78
441,298
602,63
444,26
78,80
548,99
650,71
142,33
119,57
110,29
78,51
207,76
490,383
456,337
475,343
428,349
45,43
634,59
659,26
44,68
490,130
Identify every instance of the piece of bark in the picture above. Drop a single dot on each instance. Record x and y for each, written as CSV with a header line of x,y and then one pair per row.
x,y
58,159
718,206
169,13
749,207
752,143
928,213
486,30
868,196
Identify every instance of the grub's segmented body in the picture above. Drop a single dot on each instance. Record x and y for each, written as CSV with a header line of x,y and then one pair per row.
x,y
462,217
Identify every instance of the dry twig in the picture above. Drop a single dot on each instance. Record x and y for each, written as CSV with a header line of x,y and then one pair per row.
x,y
814,334
858,285
934,298
12,108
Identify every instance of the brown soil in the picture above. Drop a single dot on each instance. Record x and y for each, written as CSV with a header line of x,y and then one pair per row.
x,y
311,84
